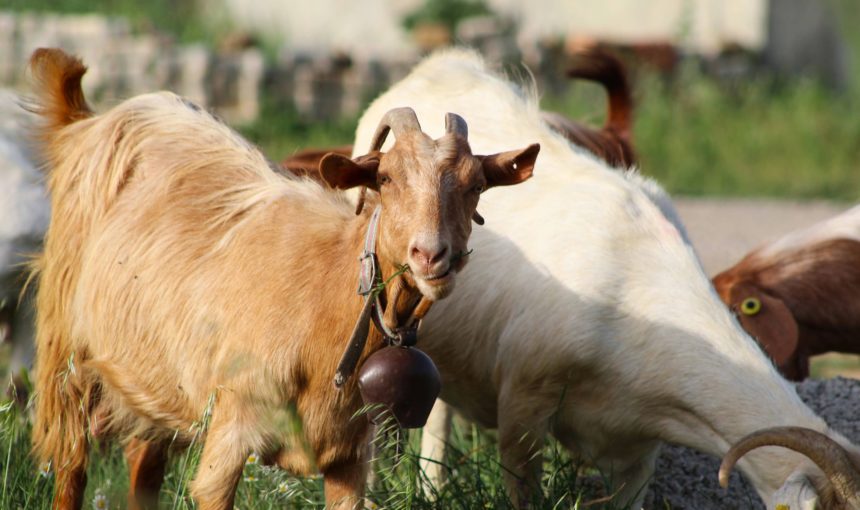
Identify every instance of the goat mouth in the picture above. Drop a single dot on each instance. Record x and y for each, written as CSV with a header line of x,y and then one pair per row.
x,y
439,279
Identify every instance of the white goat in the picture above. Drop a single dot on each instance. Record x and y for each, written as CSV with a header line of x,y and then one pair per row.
x,y
24,213
588,315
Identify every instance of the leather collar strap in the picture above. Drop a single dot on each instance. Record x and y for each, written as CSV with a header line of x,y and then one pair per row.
x,y
370,286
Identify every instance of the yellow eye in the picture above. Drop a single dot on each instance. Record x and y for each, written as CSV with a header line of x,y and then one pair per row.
x,y
750,306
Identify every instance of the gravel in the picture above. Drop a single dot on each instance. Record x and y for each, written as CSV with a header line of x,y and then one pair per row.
x,y
688,479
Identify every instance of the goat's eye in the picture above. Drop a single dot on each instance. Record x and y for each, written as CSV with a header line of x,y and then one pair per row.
x,y
479,188
384,179
750,306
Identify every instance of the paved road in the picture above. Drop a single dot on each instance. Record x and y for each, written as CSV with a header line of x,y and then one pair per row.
x,y
725,229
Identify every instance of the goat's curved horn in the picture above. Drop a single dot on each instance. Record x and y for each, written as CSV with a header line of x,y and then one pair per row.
x,y
456,124
399,120
826,453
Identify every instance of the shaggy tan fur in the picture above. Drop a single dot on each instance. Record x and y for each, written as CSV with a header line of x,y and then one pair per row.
x,y
183,276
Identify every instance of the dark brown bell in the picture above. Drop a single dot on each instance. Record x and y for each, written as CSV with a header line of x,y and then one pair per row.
x,y
404,380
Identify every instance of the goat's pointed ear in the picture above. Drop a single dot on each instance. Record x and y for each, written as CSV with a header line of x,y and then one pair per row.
x,y
767,319
512,167
338,171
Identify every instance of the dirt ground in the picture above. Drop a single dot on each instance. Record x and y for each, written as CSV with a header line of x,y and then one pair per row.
x,y
724,229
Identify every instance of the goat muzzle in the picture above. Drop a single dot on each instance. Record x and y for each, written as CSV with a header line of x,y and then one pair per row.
x,y
827,454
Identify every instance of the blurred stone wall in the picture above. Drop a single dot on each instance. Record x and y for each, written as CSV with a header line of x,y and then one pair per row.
x,y
123,64
326,83
320,86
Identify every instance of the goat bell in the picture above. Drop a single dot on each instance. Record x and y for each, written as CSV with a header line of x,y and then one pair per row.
x,y
404,381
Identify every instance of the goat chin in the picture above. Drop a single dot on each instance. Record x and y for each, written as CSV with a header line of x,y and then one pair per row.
x,y
797,492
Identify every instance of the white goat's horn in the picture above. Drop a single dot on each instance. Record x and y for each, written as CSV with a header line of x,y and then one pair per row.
x,y
826,453
456,124
399,120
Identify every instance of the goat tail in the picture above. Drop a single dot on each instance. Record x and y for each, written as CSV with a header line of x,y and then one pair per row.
x,y
606,69
57,78
86,162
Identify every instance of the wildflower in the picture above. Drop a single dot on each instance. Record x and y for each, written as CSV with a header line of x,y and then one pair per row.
x,y
283,488
250,478
45,469
252,459
100,502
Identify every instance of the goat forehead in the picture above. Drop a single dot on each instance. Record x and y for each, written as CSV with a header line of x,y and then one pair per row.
x,y
434,166
447,151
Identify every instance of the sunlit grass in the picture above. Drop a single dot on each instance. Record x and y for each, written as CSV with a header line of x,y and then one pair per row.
x,y
756,139
472,466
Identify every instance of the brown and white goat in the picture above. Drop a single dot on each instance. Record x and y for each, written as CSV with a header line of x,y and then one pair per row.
x,y
799,296
183,277
612,143
307,161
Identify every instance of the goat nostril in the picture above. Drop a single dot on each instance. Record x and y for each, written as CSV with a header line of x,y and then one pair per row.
x,y
417,254
439,255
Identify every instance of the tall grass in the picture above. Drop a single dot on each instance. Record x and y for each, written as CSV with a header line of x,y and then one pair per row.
x,y
472,465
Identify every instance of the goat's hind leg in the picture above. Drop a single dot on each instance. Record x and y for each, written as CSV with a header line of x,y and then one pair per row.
x,y
70,467
69,485
147,461
522,433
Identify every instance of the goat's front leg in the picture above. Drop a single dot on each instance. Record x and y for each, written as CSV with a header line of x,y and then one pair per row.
x,y
147,461
344,485
630,474
434,440
522,431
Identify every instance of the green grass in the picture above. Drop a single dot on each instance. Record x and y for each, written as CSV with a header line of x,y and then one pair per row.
x,y
472,463
760,139
179,18
793,140
280,131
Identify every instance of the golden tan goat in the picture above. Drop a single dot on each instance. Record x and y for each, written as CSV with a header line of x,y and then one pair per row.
x,y
181,271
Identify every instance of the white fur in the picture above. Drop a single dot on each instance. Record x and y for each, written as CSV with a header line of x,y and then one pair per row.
x,y
844,226
585,312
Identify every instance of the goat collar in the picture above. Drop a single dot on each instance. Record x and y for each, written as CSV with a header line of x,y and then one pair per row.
x,y
371,286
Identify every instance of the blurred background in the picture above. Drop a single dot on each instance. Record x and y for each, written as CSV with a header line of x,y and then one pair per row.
x,y
734,98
